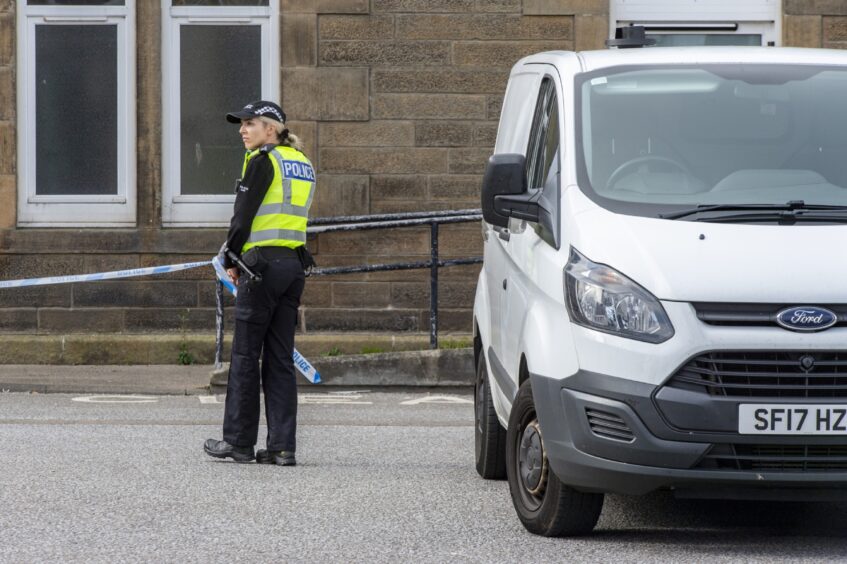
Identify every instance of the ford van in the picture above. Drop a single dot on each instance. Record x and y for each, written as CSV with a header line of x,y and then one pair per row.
x,y
663,299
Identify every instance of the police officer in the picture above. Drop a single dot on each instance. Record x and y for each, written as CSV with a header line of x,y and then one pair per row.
x,y
268,231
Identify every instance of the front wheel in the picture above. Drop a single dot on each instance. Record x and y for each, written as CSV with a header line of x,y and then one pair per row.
x,y
544,504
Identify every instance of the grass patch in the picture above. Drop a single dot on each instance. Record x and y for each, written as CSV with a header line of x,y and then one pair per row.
x,y
372,350
454,343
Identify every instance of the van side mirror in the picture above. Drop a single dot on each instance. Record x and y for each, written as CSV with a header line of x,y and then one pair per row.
x,y
504,191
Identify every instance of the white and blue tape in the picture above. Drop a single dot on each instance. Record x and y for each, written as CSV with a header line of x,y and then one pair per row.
x,y
300,362
303,365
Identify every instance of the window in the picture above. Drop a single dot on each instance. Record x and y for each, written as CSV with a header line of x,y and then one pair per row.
x,y
218,55
76,113
543,169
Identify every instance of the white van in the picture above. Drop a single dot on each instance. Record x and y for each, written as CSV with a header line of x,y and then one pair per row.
x,y
663,302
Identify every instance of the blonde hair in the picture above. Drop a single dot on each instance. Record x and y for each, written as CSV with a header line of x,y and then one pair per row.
x,y
285,137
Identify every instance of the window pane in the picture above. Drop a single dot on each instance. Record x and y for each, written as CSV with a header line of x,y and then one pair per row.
x,y
75,2
711,39
219,3
76,103
220,72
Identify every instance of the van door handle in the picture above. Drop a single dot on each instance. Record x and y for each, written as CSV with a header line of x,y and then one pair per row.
x,y
504,283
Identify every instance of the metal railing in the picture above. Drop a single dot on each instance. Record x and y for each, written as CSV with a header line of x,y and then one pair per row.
x,y
380,221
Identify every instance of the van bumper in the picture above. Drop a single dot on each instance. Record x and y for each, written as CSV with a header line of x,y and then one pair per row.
x,y
606,434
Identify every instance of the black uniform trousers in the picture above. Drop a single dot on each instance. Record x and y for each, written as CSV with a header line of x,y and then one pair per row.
x,y
265,318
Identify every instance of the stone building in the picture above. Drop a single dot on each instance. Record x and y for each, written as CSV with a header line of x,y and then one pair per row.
x,y
114,153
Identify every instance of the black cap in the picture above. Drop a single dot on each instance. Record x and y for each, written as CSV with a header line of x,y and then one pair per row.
x,y
257,109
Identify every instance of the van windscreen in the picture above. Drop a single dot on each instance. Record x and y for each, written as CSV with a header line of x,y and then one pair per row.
x,y
652,139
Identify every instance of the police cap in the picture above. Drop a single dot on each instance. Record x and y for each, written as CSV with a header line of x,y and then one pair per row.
x,y
257,109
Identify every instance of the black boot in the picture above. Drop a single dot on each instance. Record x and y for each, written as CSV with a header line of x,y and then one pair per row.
x,y
222,449
278,457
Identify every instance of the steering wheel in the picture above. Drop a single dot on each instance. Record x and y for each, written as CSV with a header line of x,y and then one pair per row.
x,y
637,161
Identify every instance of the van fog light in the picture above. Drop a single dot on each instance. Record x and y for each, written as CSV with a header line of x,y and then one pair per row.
x,y
602,298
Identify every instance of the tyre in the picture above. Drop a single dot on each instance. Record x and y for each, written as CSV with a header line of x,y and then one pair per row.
x,y
489,435
544,504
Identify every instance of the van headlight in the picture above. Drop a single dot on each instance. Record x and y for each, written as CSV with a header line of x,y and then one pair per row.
x,y
602,298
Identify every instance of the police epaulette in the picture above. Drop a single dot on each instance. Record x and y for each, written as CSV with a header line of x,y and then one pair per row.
x,y
267,148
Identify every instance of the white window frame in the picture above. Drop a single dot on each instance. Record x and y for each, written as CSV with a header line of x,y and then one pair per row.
x,y
180,210
759,17
113,210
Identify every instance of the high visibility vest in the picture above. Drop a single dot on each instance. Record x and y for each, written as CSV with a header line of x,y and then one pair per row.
x,y
282,217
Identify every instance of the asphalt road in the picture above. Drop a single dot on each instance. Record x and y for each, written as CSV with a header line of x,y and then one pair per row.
x,y
378,480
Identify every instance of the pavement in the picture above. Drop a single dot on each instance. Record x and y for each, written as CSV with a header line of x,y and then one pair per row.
x,y
446,368
381,477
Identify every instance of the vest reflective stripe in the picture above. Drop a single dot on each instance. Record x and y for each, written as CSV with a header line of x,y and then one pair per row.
x,y
283,215
277,234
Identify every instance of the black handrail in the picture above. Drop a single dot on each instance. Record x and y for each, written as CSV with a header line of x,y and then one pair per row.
x,y
379,221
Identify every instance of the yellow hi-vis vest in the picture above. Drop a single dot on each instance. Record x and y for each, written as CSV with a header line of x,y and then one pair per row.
x,y
282,217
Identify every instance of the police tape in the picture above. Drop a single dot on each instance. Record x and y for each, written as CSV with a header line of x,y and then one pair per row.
x,y
102,275
303,366
300,362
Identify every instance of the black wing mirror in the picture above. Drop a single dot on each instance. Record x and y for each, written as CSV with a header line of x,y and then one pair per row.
x,y
504,191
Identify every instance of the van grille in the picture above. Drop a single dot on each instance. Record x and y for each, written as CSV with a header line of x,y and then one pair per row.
x,y
753,315
766,374
776,458
608,425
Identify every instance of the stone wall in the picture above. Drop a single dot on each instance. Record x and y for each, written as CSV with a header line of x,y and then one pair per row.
x,y
398,102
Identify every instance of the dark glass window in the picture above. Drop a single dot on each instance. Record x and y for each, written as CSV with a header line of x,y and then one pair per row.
x,y
76,107
220,71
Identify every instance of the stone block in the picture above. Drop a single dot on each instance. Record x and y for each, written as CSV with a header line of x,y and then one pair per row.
x,y
325,6
483,27
391,243
361,294
99,320
28,349
465,273
485,134
375,133
451,320
206,296
498,5
590,32
423,5
325,94
378,160
428,106
340,195
375,28
469,161
448,80
443,134
8,149
455,187
14,267
107,263
453,294
23,320
201,273
405,206
8,195
398,187
7,39
174,319
461,240
834,29
7,5
502,53
566,7
57,295
384,53
7,93
494,104
135,294
802,31
317,294
344,319
299,40
815,7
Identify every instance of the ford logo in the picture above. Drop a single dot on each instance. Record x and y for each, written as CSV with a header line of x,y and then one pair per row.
x,y
806,318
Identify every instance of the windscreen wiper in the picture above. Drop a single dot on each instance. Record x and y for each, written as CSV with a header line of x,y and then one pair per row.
x,y
781,217
791,207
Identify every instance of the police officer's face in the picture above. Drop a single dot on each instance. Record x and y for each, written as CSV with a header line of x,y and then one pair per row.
x,y
255,133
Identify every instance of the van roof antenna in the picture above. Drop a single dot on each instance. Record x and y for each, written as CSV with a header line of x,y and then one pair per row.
x,y
630,37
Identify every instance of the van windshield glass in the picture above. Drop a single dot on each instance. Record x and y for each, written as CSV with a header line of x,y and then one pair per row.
x,y
658,139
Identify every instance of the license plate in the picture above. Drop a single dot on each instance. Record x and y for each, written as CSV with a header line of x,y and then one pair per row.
x,y
792,419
